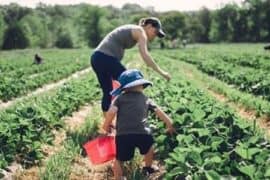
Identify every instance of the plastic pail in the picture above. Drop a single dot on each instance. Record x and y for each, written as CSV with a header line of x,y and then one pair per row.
x,y
115,85
101,149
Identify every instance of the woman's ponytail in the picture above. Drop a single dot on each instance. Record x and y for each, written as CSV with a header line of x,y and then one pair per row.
x,y
142,22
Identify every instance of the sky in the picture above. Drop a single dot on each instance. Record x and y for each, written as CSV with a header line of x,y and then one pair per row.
x,y
159,5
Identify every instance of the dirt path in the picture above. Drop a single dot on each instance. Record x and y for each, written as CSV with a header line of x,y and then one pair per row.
x,y
44,88
73,122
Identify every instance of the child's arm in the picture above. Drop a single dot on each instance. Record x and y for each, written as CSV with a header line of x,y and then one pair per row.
x,y
109,118
166,119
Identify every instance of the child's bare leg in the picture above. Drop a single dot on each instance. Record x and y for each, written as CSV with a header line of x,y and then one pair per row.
x,y
117,170
148,157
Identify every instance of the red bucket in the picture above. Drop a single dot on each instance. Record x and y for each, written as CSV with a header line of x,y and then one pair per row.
x,y
101,149
115,85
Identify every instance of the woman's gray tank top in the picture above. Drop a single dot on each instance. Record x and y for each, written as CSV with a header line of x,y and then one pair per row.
x,y
115,43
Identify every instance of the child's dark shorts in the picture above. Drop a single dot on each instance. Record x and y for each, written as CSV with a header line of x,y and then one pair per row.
x,y
126,144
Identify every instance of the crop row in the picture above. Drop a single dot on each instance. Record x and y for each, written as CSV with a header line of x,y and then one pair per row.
x,y
212,142
15,86
244,55
22,60
247,79
27,125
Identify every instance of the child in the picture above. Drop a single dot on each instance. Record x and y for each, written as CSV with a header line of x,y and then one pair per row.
x,y
132,129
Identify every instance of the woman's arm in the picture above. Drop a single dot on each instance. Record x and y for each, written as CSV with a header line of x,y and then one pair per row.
x,y
140,36
110,114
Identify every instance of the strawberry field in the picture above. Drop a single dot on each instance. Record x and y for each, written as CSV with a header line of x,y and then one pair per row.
x,y
246,69
19,75
213,140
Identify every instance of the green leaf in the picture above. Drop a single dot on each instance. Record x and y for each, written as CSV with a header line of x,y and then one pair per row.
x,y
248,170
262,156
246,153
180,169
215,159
198,114
175,105
184,139
24,122
170,161
267,173
254,139
216,141
160,139
212,175
200,131
195,157
177,157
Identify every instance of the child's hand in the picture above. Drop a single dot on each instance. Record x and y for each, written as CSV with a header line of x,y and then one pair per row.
x,y
106,128
170,129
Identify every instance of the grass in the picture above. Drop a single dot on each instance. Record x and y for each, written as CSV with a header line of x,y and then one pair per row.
x,y
60,164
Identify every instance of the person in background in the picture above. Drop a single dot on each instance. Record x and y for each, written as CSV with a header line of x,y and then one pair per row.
x,y
106,58
37,59
131,108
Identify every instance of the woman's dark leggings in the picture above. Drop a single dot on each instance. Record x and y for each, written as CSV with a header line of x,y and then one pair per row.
x,y
106,68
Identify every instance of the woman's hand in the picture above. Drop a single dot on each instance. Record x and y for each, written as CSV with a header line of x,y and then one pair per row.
x,y
170,129
110,114
166,75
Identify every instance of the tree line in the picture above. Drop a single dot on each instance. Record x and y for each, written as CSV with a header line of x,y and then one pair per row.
x,y
74,26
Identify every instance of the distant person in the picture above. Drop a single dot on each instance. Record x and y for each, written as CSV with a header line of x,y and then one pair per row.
x,y
267,47
106,59
37,59
131,108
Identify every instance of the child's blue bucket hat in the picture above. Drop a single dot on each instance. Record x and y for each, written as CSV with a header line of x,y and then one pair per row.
x,y
130,78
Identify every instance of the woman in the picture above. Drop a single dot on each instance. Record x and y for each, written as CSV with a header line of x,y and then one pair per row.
x,y
106,57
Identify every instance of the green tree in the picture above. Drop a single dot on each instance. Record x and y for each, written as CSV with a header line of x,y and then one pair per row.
x,y
2,28
58,17
266,20
15,38
214,30
92,29
13,13
204,16
256,19
64,39
33,27
132,8
174,24
194,29
240,24
225,20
